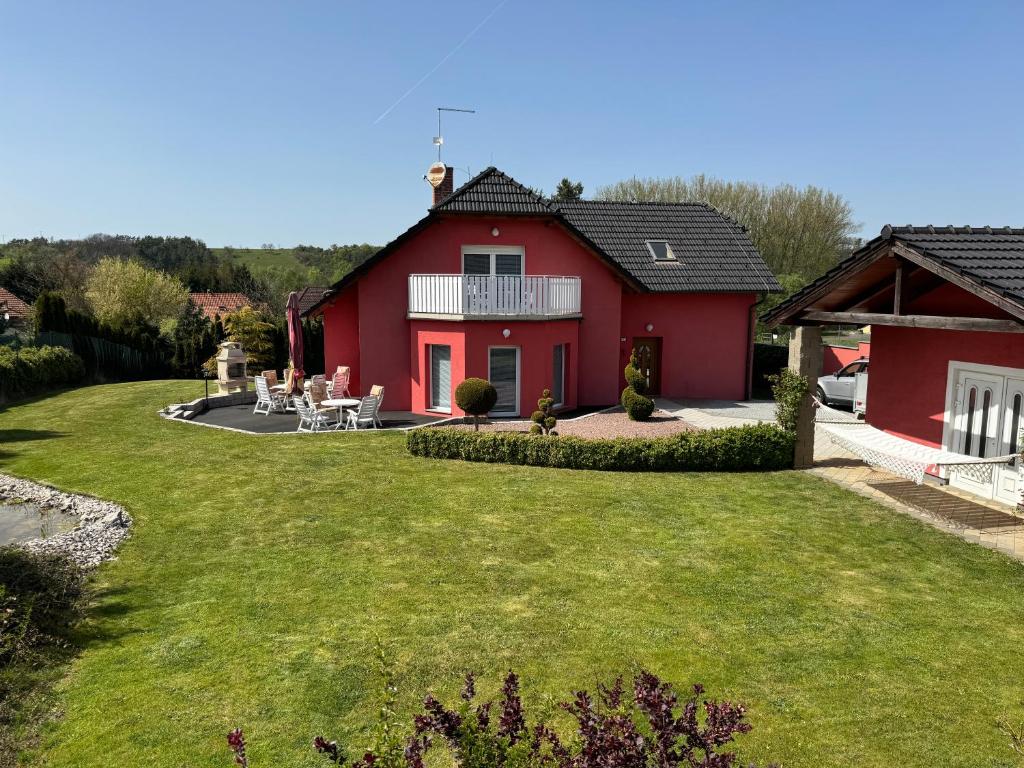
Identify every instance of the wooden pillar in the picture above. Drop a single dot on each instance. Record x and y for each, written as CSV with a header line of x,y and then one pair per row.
x,y
805,360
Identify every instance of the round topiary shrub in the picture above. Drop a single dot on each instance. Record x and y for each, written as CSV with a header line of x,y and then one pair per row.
x,y
476,397
637,405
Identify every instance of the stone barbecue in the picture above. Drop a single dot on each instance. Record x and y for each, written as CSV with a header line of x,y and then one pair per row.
x,y
231,374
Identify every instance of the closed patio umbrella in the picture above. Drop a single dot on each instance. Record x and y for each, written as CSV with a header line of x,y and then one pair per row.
x,y
295,337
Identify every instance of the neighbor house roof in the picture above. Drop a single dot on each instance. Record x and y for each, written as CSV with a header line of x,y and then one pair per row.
x,y
213,304
987,261
310,295
712,252
12,305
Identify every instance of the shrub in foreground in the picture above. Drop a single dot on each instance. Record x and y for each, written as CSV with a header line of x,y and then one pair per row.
x,y
637,405
648,725
735,449
476,397
31,370
789,389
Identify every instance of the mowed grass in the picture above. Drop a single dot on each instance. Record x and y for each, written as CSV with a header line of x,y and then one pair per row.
x,y
257,258
262,569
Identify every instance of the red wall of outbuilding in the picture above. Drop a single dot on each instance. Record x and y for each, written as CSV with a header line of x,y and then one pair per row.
x,y
704,340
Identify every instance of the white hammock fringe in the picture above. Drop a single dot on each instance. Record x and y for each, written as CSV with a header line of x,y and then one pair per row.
x,y
904,458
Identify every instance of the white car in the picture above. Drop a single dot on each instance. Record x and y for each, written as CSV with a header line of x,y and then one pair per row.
x,y
838,389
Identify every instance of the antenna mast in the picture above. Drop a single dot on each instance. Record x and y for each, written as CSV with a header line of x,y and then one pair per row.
x,y
439,139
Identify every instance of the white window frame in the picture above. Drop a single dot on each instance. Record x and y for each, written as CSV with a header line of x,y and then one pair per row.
x,y
560,346
430,379
519,375
494,250
670,254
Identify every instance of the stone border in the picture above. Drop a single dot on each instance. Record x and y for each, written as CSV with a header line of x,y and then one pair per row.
x,y
102,525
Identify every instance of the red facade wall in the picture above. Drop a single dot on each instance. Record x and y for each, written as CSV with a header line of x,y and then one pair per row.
x,y
909,367
470,342
704,341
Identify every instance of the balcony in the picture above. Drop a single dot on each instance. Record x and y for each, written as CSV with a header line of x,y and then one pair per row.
x,y
484,297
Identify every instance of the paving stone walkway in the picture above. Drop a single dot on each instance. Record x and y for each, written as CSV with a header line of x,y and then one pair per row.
x,y
973,519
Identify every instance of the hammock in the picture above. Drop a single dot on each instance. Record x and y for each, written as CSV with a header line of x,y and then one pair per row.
x,y
904,458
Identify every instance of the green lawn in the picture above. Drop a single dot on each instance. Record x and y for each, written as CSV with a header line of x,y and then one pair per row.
x,y
262,569
255,258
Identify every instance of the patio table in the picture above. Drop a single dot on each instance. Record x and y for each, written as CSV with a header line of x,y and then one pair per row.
x,y
341,403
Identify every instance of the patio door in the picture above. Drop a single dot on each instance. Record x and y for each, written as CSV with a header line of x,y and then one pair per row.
x,y
503,372
1006,477
441,378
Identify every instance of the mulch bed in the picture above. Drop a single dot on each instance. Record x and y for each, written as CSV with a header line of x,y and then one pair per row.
x,y
606,424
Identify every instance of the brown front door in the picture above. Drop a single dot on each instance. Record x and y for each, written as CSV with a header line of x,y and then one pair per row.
x,y
648,355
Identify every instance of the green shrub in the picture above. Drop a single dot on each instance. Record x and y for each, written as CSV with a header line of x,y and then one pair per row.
x,y
37,369
789,389
635,402
476,397
735,449
544,419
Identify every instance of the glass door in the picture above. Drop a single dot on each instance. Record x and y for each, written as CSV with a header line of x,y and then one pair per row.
x,y
504,375
441,377
978,427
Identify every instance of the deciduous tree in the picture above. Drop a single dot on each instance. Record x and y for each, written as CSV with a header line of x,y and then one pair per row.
x,y
120,291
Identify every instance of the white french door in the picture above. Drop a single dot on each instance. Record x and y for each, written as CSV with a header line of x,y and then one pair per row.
x,y
987,418
503,372
1007,482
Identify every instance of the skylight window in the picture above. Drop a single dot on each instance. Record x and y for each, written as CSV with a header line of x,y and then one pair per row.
x,y
660,250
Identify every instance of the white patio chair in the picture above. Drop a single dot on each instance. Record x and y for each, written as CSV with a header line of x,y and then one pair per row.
x,y
311,420
377,390
267,401
366,414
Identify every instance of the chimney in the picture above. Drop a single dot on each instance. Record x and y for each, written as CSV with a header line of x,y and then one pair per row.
x,y
446,186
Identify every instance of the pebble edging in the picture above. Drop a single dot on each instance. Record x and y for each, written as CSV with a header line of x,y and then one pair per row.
x,y
102,525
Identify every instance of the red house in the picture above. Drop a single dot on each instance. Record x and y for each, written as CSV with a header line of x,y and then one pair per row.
x,y
499,283
946,310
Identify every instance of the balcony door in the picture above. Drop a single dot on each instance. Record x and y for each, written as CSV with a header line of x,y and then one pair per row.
x,y
494,279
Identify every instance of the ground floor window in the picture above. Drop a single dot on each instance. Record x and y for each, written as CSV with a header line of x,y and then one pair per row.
x,y
503,372
440,377
558,374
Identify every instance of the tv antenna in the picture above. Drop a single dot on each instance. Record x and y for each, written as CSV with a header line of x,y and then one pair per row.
x,y
439,139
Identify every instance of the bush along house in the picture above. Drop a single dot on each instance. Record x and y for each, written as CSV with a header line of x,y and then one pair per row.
x,y
946,310
498,283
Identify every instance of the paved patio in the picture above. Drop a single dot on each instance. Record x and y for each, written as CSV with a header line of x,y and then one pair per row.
x,y
241,418
973,519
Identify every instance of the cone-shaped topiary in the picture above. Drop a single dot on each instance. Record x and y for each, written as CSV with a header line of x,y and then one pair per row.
x,y
637,405
476,397
543,418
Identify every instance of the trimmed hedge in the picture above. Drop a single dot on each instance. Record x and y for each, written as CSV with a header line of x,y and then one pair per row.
x,y
763,447
32,370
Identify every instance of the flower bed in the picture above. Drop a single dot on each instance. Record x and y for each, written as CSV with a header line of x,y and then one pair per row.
x,y
763,447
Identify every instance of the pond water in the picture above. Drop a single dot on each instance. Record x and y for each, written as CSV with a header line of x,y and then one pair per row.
x,y
20,521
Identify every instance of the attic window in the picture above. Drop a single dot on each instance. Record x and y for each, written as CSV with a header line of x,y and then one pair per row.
x,y
660,250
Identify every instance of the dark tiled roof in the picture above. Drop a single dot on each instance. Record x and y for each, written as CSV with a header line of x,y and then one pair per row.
x,y
713,253
992,257
310,296
492,191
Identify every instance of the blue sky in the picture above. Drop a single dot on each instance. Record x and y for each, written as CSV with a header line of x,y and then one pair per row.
x,y
246,122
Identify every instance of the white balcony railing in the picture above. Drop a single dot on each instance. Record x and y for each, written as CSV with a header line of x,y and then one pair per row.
x,y
494,295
